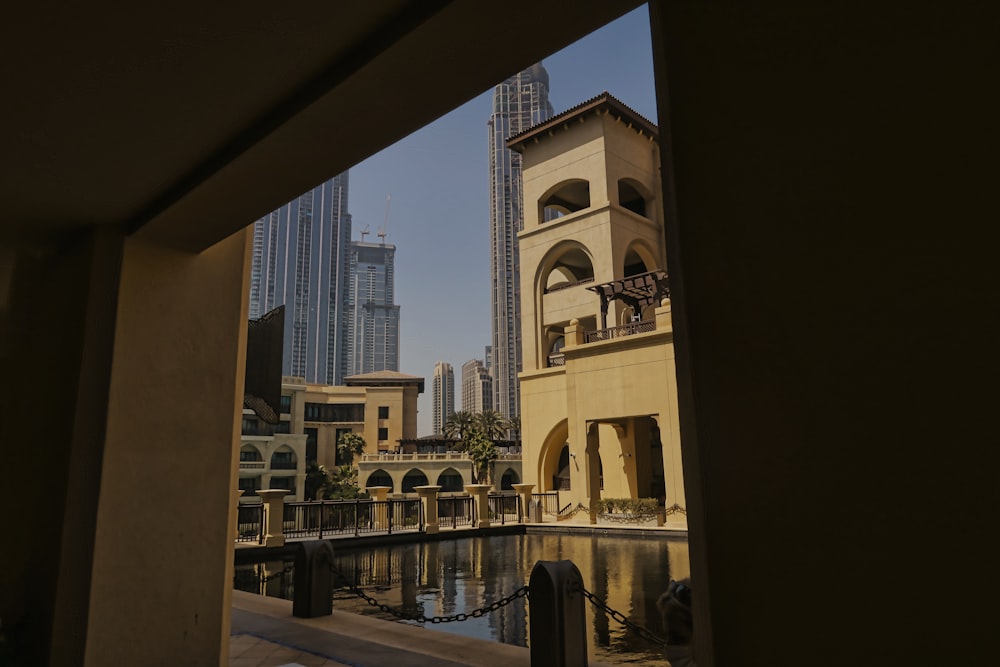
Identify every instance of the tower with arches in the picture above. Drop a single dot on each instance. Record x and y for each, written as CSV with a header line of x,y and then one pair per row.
x,y
599,392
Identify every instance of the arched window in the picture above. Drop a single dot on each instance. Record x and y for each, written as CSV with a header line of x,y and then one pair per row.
x,y
629,197
413,479
508,480
451,481
249,453
572,267
567,197
379,478
283,459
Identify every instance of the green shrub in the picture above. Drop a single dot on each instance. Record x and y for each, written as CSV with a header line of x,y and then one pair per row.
x,y
636,507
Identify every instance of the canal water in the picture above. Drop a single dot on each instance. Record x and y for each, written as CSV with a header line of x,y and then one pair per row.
x,y
449,577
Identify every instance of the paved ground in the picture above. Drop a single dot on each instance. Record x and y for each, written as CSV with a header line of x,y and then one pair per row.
x,y
265,634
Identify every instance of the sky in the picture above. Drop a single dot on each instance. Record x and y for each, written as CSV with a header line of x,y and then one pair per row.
x,y
430,194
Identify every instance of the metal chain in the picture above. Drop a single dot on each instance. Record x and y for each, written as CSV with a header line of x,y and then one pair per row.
x,y
621,618
269,577
420,618
675,509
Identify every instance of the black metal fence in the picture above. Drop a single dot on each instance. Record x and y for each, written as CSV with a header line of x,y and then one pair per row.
x,y
505,508
330,518
250,523
456,511
549,501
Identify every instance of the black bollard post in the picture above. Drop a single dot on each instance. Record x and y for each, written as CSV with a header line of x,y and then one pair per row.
x,y
557,629
313,580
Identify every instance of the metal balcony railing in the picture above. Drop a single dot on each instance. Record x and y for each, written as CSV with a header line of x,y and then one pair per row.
x,y
610,333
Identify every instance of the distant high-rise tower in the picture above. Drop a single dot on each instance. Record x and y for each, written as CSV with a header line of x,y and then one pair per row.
x,y
518,103
372,342
299,260
443,393
477,387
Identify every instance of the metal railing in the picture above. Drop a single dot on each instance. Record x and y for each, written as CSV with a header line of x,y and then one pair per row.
x,y
331,518
558,359
549,501
504,507
456,511
610,333
250,523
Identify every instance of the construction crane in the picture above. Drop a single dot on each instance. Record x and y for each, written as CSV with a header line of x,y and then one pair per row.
x,y
365,232
382,231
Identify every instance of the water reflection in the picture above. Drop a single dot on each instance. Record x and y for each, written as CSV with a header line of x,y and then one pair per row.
x,y
459,576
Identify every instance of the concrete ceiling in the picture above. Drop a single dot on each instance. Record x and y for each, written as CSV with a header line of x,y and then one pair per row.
x,y
186,121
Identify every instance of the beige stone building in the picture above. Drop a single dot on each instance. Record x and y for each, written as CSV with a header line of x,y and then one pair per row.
x,y
381,406
598,390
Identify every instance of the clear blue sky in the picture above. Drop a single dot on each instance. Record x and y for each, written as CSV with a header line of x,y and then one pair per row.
x,y
438,179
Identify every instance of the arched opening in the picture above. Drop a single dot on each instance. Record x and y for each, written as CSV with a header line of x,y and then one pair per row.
x,y
572,267
413,479
250,454
561,480
379,478
508,480
283,459
565,198
555,356
451,481
631,198
634,264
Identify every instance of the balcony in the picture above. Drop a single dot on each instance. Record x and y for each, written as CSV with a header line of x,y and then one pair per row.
x,y
611,333
251,465
557,359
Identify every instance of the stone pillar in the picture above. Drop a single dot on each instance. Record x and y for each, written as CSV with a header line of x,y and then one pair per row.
x,y
429,500
664,318
380,494
524,492
573,334
480,492
274,507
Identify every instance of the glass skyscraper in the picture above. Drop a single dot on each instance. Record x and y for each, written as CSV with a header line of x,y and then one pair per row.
x,y
372,342
443,395
300,260
520,102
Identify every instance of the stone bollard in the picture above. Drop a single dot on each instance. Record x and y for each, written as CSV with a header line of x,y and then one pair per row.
x,y
313,580
274,508
481,493
524,492
380,495
557,632
429,501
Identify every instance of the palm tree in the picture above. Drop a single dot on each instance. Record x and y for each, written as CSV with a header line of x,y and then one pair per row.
x,y
483,453
350,445
514,429
459,424
492,424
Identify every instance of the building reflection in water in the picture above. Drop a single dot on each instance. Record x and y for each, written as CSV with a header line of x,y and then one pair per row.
x,y
458,576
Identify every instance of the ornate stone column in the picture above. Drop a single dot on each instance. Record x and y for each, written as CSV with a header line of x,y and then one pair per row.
x,y
429,500
524,491
274,507
481,492
380,494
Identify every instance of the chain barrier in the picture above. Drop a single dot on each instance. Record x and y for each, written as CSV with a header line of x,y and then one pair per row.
x,y
621,618
269,577
573,512
675,509
522,592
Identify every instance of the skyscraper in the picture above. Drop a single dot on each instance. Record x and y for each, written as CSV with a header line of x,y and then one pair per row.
x,y
299,259
518,103
443,395
477,387
372,342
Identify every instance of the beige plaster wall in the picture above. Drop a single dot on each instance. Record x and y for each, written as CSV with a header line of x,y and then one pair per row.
x,y
161,580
